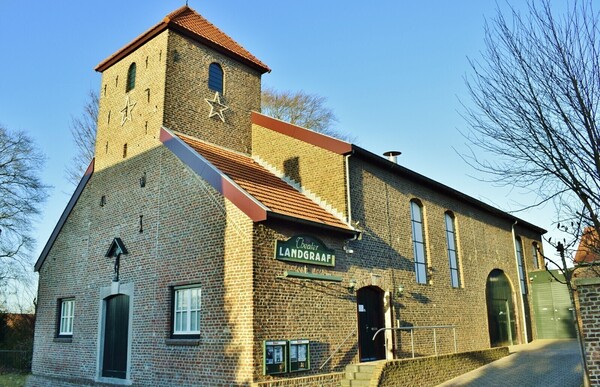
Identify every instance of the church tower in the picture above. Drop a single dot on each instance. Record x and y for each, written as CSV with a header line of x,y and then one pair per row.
x,y
184,74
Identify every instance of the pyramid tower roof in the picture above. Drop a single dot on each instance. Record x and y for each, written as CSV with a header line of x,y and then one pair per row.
x,y
192,25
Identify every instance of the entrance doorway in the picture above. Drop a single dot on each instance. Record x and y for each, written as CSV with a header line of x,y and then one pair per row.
x,y
501,310
116,332
370,319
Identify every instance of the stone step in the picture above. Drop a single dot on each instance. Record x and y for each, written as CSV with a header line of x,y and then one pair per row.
x,y
360,367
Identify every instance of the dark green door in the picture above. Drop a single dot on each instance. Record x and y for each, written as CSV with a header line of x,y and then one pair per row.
x,y
116,331
370,319
552,306
501,310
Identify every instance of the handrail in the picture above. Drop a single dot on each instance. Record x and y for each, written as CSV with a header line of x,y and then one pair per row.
x,y
411,329
338,347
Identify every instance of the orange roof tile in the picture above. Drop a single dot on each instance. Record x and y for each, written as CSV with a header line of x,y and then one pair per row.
x,y
274,193
190,23
587,252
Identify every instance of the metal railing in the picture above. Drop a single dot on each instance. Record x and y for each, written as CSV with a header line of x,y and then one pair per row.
x,y
412,336
338,347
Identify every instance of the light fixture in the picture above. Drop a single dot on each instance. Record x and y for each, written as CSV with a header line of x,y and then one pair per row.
x,y
143,180
352,285
348,250
399,290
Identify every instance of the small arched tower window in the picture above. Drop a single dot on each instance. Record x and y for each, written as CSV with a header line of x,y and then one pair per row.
x,y
130,78
215,77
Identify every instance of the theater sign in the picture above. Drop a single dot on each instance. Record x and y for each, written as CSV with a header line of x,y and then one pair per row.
x,y
305,249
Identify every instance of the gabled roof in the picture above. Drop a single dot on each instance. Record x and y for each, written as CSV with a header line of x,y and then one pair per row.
x,y
255,190
191,24
63,218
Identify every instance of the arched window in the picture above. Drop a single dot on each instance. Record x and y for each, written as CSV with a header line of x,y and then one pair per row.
x,y
452,250
130,78
420,257
215,77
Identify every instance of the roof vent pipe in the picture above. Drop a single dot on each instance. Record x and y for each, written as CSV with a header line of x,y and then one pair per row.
x,y
392,156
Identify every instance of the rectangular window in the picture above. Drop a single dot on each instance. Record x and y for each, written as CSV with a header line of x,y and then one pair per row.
x,y
452,251
534,254
519,248
66,315
186,311
416,216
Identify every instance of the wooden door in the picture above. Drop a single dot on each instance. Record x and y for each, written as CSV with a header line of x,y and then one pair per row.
x,y
370,319
116,331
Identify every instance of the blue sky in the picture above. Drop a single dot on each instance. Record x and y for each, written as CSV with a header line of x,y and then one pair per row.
x,y
393,72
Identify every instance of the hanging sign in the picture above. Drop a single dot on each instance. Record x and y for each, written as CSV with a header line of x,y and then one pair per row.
x,y
305,249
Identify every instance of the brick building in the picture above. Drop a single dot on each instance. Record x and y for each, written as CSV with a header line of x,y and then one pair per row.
x,y
587,288
208,244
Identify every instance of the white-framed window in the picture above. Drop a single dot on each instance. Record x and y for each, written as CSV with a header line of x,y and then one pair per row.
x,y
66,316
452,250
519,248
186,310
418,235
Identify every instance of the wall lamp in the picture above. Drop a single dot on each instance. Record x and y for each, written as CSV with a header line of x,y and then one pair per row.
x,y
348,250
352,285
400,290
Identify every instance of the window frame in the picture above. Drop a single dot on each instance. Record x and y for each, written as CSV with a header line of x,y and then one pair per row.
x,y
216,84
535,256
131,74
175,294
450,225
65,317
521,264
419,246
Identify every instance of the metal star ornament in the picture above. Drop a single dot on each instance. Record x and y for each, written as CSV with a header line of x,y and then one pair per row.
x,y
216,107
126,111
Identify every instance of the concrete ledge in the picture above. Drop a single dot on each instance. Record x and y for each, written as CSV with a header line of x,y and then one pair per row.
x,y
587,281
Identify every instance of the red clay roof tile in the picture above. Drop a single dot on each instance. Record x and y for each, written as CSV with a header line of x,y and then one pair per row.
x,y
274,193
587,252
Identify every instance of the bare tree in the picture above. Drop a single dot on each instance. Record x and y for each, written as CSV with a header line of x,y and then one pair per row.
x,y
83,130
536,93
302,109
21,195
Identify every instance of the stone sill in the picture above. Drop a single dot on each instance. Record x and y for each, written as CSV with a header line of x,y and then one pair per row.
x,y
183,342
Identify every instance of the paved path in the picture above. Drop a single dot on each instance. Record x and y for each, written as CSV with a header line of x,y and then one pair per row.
x,y
540,363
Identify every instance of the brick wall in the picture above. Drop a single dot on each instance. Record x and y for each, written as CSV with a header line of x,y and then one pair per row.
x,y
187,87
588,296
433,370
317,170
190,234
380,203
141,131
